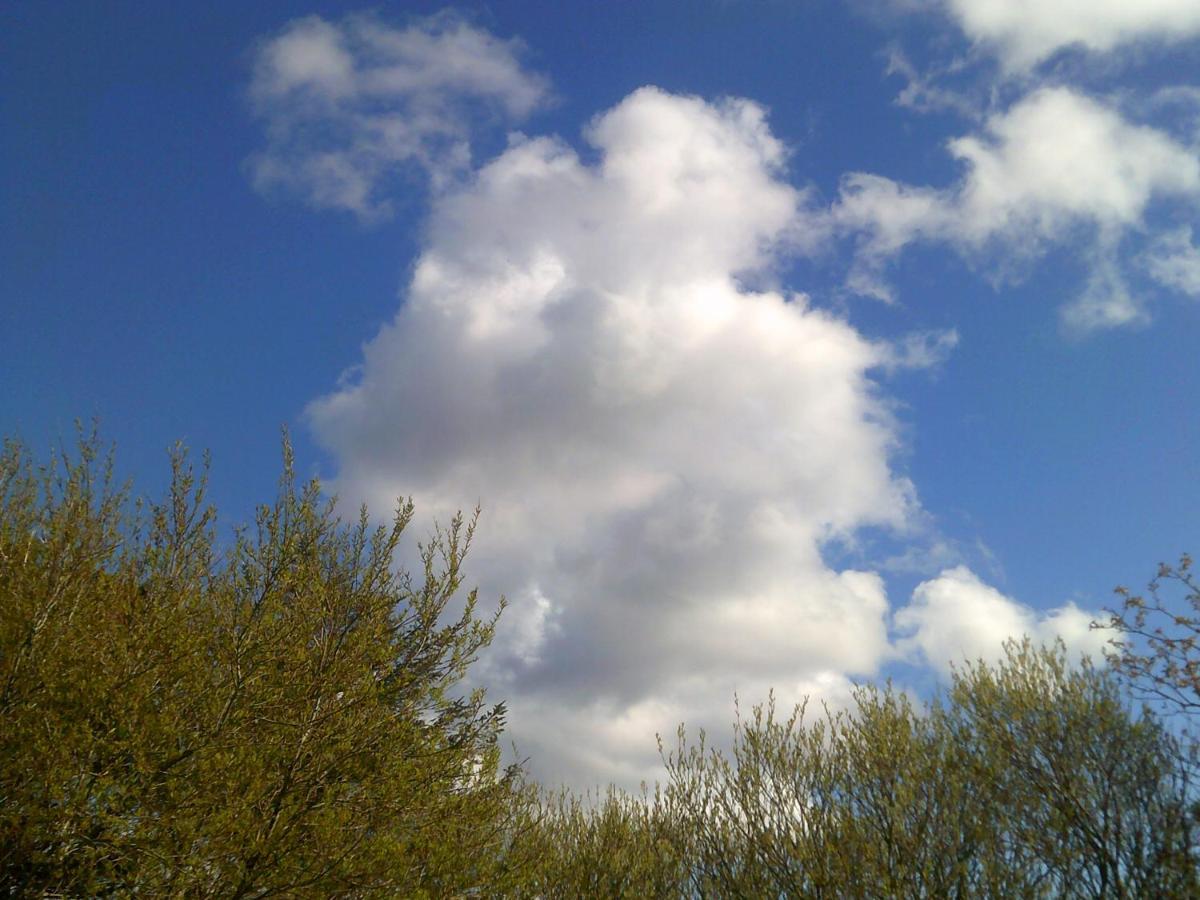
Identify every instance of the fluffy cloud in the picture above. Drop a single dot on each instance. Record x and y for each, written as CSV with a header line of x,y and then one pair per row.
x,y
1026,32
956,617
1053,167
661,451
663,442
345,103
1058,157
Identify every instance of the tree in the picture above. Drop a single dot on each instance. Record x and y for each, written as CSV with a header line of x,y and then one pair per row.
x,y
614,846
1157,642
1082,795
284,715
1030,778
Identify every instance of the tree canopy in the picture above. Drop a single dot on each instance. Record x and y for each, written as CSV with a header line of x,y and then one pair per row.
x,y
284,714
281,715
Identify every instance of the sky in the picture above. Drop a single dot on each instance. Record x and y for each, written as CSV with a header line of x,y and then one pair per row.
x,y
785,344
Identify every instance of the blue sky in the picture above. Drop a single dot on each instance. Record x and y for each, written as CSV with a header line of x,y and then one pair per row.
x,y
784,343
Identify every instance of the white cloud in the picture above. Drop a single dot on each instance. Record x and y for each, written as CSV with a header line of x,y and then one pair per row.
x,y
1106,300
1058,157
885,217
956,617
1026,32
921,350
346,104
660,451
1174,261
1054,168
924,91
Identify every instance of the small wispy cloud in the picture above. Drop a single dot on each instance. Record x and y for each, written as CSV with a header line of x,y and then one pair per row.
x,y
1173,260
347,105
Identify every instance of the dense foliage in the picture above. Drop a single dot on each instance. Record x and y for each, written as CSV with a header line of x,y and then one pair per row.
x,y
285,715
1030,779
279,717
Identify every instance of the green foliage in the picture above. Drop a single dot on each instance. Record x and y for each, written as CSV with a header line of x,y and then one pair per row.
x,y
279,718
1094,802
610,847
1031,779
286,716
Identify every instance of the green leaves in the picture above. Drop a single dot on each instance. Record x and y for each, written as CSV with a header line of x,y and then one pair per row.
x,y
288,717
1031,778
282,718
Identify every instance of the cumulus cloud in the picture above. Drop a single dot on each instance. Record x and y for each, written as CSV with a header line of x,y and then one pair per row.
x,y
665,442
955,617
346,104
661,451
1023,33
1053,168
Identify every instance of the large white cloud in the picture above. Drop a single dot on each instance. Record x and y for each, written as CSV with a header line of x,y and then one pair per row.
x,y
665,443
1056,167
661,451
1026,32
345,102
956,618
